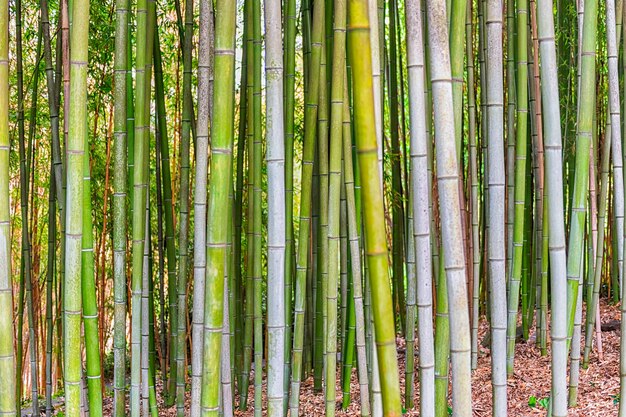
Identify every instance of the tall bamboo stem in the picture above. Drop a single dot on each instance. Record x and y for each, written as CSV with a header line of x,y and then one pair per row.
x,y
449,204
73,239
217,229
7,351
376,248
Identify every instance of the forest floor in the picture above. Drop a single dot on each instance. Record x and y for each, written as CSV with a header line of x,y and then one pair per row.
x,y
598,393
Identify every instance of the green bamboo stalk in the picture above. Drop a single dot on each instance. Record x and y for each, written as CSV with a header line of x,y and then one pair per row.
x,y
586,109
592,229
53,97
183,223
510,129
257,268
321,316
25,266
600,254
354,223
26,285
170,244
422,209
238,261
49,286
316,85
249,302
540,200
145,332
205,61
411,307
309,282
616,140
448,187
228,327
140,186
312,273
376,42
442,343
7,352
152,399
226,399
528,289
613,38
397,199
536,195
53,93
289,57
88,290
457,45
474,180
615,293
217,229
19,349
344,283
376,250
378,80
554,189
60,198
348,350
334,196
74,215
574,370
161,255
544,279
130,114
622,409
120,182
519,195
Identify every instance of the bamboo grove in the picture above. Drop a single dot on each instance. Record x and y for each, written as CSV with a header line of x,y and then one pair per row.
x,y
211,206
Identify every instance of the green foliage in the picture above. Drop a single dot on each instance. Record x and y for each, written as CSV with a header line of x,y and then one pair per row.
x,y
534,402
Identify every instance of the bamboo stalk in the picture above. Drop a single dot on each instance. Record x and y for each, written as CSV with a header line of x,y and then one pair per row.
x,y
448,186
376,250
275,136
74,215
205,49
519,195
334,196
7,352
88,289
554,189
355,244
580,188
217,231
183,223
308,152
422,220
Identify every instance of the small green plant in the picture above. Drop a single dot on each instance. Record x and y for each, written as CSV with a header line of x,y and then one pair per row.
x,y
616,399
535,402
449,410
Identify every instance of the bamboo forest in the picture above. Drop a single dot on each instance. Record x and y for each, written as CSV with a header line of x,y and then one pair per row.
x,y
312,208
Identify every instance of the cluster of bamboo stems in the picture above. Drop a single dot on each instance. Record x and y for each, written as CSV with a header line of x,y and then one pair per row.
x,y
380,167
